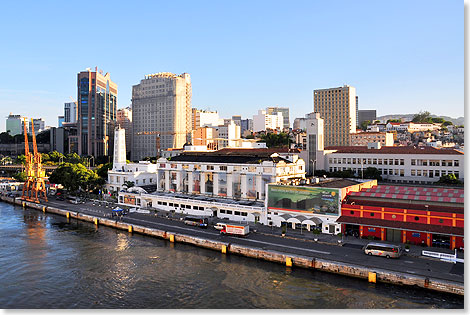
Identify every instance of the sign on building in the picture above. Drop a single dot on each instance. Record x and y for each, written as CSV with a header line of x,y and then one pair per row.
x,y
313,200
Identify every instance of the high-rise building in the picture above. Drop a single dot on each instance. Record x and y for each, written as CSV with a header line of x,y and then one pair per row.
x,y
60,121
161,113
97,96
337,106
246,124
314,154
124,120
237,119
70,112
39,125
14,124
285,114
366,114
201,118
265,121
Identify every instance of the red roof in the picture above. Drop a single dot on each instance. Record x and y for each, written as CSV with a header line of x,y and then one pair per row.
x,y
257,150
394,150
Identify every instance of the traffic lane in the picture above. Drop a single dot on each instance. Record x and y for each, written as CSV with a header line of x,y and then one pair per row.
x,y
407,264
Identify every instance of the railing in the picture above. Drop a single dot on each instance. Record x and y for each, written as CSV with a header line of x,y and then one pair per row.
x,y
442,256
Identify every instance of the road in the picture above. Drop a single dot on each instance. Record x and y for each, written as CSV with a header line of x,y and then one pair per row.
x,y
348,253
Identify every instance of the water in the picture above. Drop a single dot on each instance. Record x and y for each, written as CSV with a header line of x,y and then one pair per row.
x,y
49,263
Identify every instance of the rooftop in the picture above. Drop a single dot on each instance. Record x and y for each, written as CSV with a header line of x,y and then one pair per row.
x,y
395,150
209,199
334,183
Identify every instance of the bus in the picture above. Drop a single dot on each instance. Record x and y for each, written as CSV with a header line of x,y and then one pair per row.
x,y
384,250
195,221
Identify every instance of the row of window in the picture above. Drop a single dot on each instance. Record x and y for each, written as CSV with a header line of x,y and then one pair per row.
x,y
239,213
182,206
371,161
435,162
416,218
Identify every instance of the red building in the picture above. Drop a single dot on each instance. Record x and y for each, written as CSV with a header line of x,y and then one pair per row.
x,y
417,215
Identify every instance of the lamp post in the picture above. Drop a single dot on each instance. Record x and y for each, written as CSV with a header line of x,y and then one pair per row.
x,y
92,158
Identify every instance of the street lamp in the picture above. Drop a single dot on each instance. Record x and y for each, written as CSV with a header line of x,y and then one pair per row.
x,y
93,159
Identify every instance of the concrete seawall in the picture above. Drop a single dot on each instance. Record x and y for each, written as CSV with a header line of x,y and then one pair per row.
x,y
377,275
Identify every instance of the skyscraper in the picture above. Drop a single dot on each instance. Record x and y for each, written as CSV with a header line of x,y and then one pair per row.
x,y
161,113
97,99
14,124
70,112
285,114
337,106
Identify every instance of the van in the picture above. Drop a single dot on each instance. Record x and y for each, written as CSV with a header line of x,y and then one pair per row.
x,y
384,250
219,226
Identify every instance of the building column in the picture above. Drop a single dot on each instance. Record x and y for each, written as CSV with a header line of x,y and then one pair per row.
x,y
158,181
403,236
259,187
361,231
190,182
229,185
382,234
178,181
428,239
203,183
215,184
452,242
243,185
167,180
308,227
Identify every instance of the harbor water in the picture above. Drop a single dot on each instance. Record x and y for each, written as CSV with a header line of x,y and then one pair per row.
x,y
47,261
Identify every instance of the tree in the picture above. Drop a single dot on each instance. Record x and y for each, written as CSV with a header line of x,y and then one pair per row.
x,y
422,117
73,158
102,170
43,136
21,176
275,140
449,179
394,121
57,157
20,159
249,137
129,184
364,124
447,123
372,173
437,120
5,137
76,177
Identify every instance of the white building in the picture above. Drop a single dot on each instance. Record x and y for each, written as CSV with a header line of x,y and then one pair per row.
x,y
203,118
39,125
141,174
14,124
421,165
70,112
313,155
228,135
263,121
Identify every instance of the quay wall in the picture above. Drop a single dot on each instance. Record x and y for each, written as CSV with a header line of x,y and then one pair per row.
x,y
363,272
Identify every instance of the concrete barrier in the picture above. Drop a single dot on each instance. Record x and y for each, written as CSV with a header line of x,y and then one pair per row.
x,y
370,274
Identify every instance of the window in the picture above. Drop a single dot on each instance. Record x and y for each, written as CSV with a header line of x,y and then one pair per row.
x,y
416,218
402,162
372,214
416,234
237,212
441,221
244,214
352,212
456,162
229,211
222,211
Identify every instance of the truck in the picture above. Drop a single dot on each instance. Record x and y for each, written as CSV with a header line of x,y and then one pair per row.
x,y
235,229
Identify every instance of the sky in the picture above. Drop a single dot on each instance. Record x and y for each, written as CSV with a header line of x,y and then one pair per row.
x,y
401,56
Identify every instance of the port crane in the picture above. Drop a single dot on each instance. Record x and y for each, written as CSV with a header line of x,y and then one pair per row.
x,y
35,184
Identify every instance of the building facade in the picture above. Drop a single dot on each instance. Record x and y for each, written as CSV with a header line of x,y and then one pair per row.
x,y
264,121
70,112
337,106
97,110
39,125
124,120
14,124
420,165
161,113
366,114
285,115
363,138
202,118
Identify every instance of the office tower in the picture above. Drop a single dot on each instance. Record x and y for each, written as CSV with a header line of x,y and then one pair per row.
x,y
315,142
366,114
337,106
285,114
70,112
39,125
201,118
14,124
264,121
97,96
161,113
237,119
124,120
60,121
246,124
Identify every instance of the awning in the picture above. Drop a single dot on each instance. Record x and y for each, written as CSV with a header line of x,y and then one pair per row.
x,y
294,220
285,216
312,221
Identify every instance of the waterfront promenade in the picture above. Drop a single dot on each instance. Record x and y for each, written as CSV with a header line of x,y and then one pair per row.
x,y
345,258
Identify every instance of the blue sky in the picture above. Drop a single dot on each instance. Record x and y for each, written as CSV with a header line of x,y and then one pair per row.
x,y
402,56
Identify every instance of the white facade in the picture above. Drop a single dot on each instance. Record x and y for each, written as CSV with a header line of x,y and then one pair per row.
x,y
407,165
203,118
141,174
263,121
70,112
313,155
228,135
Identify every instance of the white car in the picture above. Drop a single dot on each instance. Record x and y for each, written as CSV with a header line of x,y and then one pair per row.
x,y
219,226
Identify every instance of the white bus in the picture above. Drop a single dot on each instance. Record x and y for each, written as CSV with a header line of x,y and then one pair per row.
x,y
384,250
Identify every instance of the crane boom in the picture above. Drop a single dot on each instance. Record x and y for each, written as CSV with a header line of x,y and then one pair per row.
x,y
35,148
26,143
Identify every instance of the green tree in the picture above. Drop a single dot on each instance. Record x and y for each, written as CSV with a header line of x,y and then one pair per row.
x,y
249,137
5,137
394,121
364,124
20,159
449,179
102,170
129,184
57,157
20,176
274,140
437,120
76,177
73,158
447,123
44,136
422,117
372,173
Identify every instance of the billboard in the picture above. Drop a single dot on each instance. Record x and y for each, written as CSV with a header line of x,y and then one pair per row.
x,y
313,200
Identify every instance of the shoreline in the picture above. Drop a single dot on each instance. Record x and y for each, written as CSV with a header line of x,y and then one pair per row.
x,y
290,260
